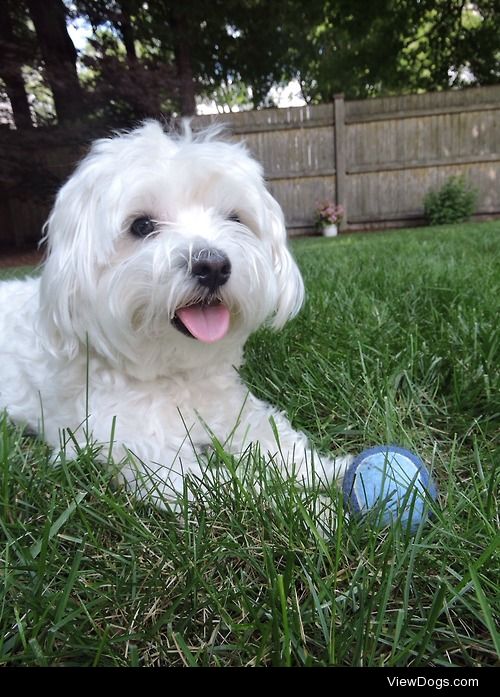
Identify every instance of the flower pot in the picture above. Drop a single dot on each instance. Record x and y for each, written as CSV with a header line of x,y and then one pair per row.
x,y
330,230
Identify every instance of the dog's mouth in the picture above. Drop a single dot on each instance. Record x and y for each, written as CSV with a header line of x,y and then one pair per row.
x,y
207,322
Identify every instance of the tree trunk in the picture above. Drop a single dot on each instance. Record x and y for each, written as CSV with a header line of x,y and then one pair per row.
x,y
14,86
11,71
59,55
127,31
182,53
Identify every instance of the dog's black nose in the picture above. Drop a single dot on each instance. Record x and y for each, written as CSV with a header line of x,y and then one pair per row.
x,y
211,268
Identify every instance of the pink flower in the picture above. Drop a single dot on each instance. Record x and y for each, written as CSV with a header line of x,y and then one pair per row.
x,y
328,213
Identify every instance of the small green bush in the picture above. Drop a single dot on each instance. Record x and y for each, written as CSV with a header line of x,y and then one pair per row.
x,y
455,202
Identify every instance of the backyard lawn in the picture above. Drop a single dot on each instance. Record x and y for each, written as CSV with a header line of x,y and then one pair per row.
x,y
399,342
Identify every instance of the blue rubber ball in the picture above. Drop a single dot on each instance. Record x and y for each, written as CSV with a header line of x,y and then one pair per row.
x,y
391,481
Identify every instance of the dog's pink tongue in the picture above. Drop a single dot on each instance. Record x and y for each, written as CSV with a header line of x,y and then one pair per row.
x,y
207,323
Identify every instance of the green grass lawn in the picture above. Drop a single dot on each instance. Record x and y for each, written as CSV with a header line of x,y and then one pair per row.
x,y
399,342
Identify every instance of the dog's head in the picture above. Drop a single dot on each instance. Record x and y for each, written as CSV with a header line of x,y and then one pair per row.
x,y
165,252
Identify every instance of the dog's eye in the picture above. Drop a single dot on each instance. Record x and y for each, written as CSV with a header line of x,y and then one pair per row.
x,y
141,227
234,217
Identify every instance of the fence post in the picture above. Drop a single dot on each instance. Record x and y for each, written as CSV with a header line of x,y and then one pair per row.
x,y
340,156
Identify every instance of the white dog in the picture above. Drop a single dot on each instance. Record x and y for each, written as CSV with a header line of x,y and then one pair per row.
x,y
165,253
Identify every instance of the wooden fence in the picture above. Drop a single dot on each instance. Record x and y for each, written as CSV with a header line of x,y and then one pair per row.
x,y
377,157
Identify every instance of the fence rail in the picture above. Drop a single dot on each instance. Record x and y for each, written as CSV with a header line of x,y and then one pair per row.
x,y
377,157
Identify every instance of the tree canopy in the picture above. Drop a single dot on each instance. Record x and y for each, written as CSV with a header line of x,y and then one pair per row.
x,y
145,58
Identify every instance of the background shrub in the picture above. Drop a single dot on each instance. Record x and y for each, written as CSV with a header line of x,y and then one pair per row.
x,y
455,202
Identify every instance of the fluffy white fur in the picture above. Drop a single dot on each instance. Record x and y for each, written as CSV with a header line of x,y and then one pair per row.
x,y
95,330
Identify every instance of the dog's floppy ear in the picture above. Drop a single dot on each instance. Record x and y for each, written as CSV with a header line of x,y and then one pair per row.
x,y
290,284
68,274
